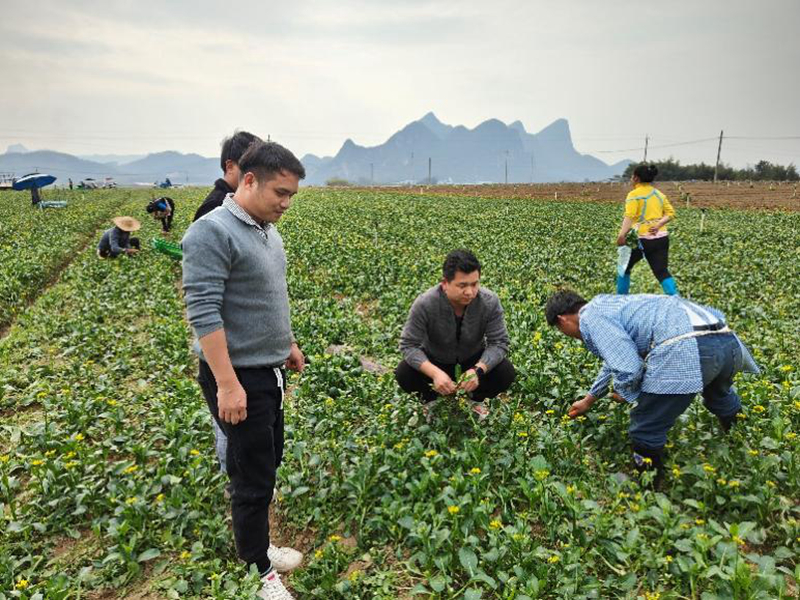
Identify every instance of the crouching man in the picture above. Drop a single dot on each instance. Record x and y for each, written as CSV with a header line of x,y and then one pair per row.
x,y
456,322
660,352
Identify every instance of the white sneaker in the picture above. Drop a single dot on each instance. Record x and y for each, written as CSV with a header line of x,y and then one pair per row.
x,y
481,410
284,559
273,588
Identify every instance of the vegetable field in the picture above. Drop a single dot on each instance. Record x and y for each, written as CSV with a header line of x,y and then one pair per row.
x,y
109,485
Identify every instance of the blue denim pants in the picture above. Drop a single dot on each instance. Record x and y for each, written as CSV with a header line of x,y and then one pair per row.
x,y
655,414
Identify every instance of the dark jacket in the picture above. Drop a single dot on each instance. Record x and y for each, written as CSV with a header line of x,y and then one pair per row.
x,y
214,199
430,331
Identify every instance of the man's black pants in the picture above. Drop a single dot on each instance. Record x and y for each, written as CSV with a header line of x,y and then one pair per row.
x,y
495,382
255,450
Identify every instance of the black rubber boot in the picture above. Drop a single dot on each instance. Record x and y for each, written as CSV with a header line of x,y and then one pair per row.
x,y
647,459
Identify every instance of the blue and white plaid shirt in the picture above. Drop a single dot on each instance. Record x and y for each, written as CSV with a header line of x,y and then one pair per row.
x,y
626,331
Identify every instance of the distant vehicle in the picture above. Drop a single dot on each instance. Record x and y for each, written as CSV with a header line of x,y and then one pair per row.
x,y
90,183
7,181
164,184
109,183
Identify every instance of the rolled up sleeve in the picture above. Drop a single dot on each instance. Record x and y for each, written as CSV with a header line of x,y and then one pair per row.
x,y
497,341
206,268
413,336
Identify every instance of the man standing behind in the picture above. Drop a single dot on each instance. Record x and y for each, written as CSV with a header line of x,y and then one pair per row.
x,y
456,322
232,149
234,279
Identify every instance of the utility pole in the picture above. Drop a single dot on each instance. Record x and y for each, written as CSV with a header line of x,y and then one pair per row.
x,y
269,137
646,143
430,180
719,151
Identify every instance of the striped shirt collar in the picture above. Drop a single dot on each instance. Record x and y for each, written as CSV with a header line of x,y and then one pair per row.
x,y
245,218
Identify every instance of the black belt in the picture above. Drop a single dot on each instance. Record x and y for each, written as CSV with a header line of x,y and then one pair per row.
x,y
713,327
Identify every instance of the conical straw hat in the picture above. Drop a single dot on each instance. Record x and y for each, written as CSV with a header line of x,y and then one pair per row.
x,y
127,223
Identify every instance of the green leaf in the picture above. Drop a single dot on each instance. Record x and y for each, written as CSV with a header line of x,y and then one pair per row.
x,y
148,554
468,559
437,583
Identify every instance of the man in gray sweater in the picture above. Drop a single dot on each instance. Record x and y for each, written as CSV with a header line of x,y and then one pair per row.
x,y
234,279
456,322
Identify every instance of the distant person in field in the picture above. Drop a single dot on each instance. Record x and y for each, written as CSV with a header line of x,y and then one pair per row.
x,y
648,211
118,240
456,322
659,351
234,279
232,149
163,209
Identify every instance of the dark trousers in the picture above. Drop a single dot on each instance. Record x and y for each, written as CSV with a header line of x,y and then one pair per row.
x,y
134,243
255,450
655,414
166,222
656,252
495,382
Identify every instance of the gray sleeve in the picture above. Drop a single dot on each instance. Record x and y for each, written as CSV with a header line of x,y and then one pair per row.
x,y
206,268
496,336
115,248
413,336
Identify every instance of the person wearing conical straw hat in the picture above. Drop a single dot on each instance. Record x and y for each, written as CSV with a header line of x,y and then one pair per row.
x,y
118,240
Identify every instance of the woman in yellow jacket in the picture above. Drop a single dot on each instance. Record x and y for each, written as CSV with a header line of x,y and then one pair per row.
x,y
649,211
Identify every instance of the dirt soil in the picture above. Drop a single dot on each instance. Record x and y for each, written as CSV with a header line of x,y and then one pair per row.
x,y
763,195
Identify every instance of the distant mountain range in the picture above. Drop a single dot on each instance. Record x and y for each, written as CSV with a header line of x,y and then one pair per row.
x,y
492,152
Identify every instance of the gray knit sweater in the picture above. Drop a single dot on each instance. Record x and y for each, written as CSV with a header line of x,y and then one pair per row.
x,y
235,277
430,331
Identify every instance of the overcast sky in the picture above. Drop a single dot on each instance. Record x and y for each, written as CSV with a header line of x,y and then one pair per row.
x,y
134,77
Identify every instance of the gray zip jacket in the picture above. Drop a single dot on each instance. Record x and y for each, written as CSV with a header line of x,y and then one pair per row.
x,y
234,276
430,331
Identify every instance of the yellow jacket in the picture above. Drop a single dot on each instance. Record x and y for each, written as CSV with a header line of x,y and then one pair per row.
x,y
644,206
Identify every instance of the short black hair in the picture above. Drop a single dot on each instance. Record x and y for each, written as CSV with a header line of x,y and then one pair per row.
x,y
234,146
266,159
153,205
563,302
459,260
646,173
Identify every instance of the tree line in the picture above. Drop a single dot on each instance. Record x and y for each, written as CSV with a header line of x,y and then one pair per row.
x,y
673,170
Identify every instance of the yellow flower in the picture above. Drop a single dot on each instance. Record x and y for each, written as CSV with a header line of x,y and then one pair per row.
x,y
431,453
741,415
758,408
475,471
36,462
553,559
797,404
399,446
676,471
771,483
722,481
111,402
651,596
160,498
702,536
518,537
753,452
739,541
453,509
69,455
668,558
319,554
519,418
70,464
22,584
787,368
78,437
623,495
550,412
708,468
537,337
334,538
329,402
194,452
355,575
733,483
700,521
791,435
495,524
635,508
647,461
541,474
50,453
130,469
570,489
131,500
185,554
523,434
4,458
